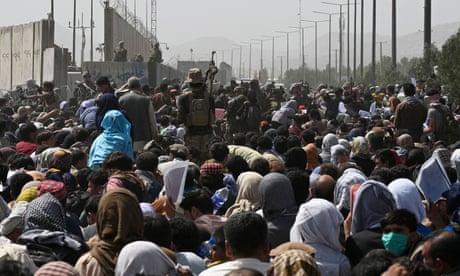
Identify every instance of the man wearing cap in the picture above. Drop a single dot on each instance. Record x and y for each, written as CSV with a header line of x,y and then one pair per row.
x,y
177,152
86,88
136,106
196,112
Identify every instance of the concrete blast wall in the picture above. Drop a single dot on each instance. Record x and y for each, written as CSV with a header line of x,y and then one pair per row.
x,y
116,29
21,52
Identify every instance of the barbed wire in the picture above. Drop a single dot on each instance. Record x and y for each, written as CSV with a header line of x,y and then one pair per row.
x,y
135,21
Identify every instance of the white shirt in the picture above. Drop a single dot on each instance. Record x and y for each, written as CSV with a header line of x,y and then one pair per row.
x,y
225,268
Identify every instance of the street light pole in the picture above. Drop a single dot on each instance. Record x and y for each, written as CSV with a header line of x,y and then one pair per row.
x,y
287,47
362,41
316,45
374,25
340,40
330,34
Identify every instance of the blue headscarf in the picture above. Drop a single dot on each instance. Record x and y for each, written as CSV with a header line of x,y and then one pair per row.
x,y
115,137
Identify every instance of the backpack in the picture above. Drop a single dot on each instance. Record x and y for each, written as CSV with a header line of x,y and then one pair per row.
x,y
253,115
199,110
450,131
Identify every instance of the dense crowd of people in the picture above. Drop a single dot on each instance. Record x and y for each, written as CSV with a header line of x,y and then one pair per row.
x,y
237,180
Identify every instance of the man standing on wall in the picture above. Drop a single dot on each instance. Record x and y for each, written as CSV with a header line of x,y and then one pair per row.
x,y
196,112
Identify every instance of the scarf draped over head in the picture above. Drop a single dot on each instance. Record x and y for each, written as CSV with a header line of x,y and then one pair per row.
x,y
295,262
360,146
312,156
328,141
317,222
144,258
45,213
408,197
248,193
276,196
119,221
373,201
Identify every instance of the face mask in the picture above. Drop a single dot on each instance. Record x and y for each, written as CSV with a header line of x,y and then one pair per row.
x,y
395,243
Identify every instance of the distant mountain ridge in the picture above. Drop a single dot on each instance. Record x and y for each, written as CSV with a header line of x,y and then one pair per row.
x,y
409,45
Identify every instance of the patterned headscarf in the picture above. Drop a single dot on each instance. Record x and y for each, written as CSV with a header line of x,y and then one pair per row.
x,y
45,213
295,262
58,268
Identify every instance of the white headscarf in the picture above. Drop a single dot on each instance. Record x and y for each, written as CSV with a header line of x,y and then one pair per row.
x,y
328,141
146,258
317,222
408,197
373,201
248,193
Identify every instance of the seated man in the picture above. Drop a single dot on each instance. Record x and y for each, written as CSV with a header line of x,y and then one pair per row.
x,y
441,251
198,206
246,244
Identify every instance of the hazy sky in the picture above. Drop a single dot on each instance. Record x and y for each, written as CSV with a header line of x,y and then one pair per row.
x,y
180,21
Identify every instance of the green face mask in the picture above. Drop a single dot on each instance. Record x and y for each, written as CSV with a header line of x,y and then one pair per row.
x,y
395,243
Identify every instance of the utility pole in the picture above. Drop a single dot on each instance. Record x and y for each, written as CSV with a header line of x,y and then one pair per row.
x,y
74,30
330,33
393,34
374,27
91,35
287,47
354,42
316,45
427,28
52,9
362,41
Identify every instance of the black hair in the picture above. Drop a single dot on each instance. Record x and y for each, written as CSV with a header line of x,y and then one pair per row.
x,y
400,171
293,141
332,170
77,156
157,230
92,204
21,160
264,142
386,155
300,181
246,234
400,217
383,175
374,263
44,136
118,160
82,178
239,139
212,182
26,130
98,178
219,151
409,89
445,245
147,161
236,165
184,234
200,199
48,84
308,136
282,131
280,144
260,165
18,181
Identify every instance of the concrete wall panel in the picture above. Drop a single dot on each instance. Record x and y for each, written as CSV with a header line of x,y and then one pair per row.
x,y
5,58
27,51
17,55
38,50
117,29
